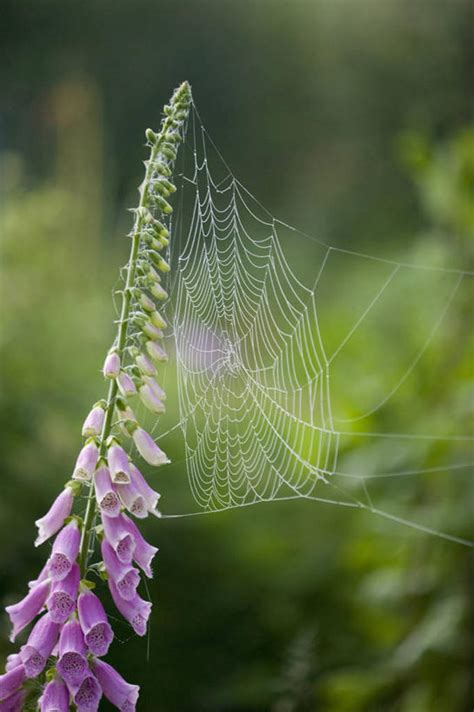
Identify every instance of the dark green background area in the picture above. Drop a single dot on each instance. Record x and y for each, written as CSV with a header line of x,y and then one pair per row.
x,y
351,119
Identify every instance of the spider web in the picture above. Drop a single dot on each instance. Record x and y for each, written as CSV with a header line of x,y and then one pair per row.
x,y
257,364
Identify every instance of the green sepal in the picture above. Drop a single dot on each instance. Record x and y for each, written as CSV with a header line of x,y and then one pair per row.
x,y
50,674
75,486
85,583
102,571
75,518
130,426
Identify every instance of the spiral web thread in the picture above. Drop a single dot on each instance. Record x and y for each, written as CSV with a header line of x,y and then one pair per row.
x,y
254,376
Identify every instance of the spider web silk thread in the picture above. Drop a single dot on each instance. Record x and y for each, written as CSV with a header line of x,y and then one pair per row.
x,y
254,378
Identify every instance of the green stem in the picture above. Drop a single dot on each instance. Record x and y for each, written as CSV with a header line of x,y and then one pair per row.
x,y
91,508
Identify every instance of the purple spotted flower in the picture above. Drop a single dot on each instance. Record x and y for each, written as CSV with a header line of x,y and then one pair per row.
x,y
148,449
70,631
72,660
22,613
107,498
118,463
136,611
39,646
94,422
119,692
55,697
98,634
65,551
141,485
125,576
143,551
13,661
86,462
119,537
53,520
11,681
13,703
86,693
133,500
62,599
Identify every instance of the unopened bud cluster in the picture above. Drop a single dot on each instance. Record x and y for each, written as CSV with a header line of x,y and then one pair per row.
x,y
71,632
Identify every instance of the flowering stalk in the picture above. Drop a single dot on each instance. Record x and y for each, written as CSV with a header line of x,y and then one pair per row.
x,y
72,632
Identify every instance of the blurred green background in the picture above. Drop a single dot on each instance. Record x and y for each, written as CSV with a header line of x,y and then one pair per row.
x,y
351,119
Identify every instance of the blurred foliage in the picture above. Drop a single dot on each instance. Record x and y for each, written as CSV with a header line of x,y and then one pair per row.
x,y
352,118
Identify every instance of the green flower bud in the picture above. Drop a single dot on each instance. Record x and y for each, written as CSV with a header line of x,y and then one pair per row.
x,y
157,320
151,136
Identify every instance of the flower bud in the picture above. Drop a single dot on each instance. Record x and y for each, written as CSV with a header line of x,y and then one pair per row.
x,y
156,351
145,365
160,262
118,464
146,303
151,331
94,422
162,168
151,136
158,291
152,274
169,152
150,401
126,385
53,520
112,365
157,320
148,449
86,462
164,241
157,389
161,229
